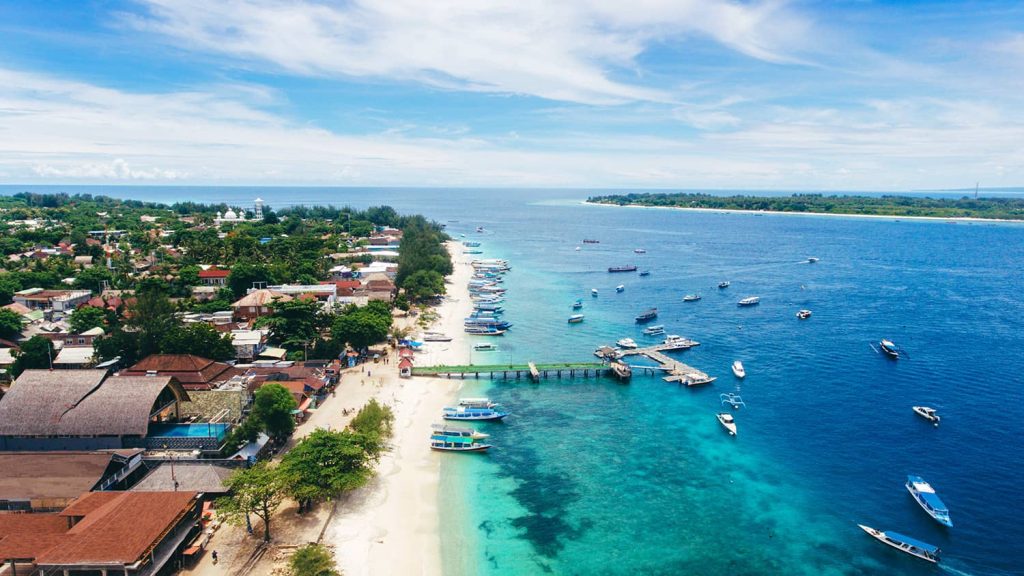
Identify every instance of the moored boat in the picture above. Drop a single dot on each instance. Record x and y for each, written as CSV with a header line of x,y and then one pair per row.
x,y
727,422
621,370
620,288
483,331
903,543
749,301
471,244
691,297
575,318
724,284
647,316
697,379
803,314
655,330
676,342
477,402
925,495
889,348
587,241
645,273
485,347
627,343
473,251
593,292
628,268
459,432
577,304
456,444
640,251
436,338
468,413
738,370
927,413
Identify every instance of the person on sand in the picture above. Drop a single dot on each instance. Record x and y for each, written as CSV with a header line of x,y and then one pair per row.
x,y
214,556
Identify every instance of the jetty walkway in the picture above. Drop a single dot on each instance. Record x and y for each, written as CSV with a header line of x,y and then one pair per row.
x,y
677,371
531,370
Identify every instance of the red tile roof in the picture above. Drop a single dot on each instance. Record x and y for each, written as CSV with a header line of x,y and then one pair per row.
x,y
193,372
24,536
214,272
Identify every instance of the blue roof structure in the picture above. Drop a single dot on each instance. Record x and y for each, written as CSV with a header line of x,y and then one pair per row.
x,y
913,542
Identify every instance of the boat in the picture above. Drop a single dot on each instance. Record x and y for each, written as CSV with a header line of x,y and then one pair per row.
x,y
676,342
470,244
479,228
484,331
593,292
436,338
731,399
889,348
621,370
459,432
697,379
627,343
737,369
906,544
620,288
628,268
647,316
803,314
477,402
489,307
691,297
640,251
470,413
456,444
586,241
577,305
655,330
928,499
927,413
645,273
485,347
473,251
749,301
812,260
577,248
493,323
575,318
727,422
723,284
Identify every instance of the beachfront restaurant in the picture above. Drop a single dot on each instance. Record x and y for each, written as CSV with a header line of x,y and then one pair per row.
x,y
89,410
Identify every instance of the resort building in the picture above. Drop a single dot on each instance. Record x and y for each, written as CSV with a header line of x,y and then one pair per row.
x,y
49,481
194,373
87,410
214,276
257,303
189,475
56,300
102,534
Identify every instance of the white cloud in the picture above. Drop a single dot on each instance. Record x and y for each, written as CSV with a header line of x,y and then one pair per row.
x,y
117,169
573,50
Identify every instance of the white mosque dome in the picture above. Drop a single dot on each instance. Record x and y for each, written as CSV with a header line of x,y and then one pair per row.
x,y
230,215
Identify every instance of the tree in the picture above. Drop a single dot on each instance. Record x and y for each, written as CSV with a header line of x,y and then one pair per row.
x,y
361,327
189,275
258,491
273,406
424,285
10,324
326,464
312,560
374,424
9,284
36,352
293,323
87,318
200,339
92,278
152,316
242,276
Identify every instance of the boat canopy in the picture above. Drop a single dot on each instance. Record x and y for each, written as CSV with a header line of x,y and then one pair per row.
x,y
933,500
913,542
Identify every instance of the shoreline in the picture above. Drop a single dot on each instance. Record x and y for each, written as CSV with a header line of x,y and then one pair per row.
x,y
954,219
392,525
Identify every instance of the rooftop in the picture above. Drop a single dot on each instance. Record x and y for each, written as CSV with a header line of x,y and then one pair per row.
x,y
193,372
190,476
37,475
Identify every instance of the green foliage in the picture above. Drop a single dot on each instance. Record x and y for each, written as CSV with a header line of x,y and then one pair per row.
x,y
292,323
9,284
243,274
402,303
10,324
118,344
199,339
422,248
361,327
258,491
93,278
326,464
424,285
152,316
248,431
272,407
312,560
87,318
36,352
375,424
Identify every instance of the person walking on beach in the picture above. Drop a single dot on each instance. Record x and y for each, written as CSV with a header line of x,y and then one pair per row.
x,y
214,556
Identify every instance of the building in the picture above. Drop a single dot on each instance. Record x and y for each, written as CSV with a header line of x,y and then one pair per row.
x,y
324,293
85,410
102,533
257,303
188,475
75,358
56,300
249,344
405,368
69,340
194,373
214,276
49,481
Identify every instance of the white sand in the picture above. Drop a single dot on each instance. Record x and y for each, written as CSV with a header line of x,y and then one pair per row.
x,y
392,525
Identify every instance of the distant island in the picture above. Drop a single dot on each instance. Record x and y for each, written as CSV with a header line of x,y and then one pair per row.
x,y
907,206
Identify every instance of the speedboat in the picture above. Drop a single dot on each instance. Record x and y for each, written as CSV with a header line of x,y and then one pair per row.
x,y
593,292
691,297
749,301
456,431
468,413
645,273
812,260
737,369
620,288
727,422
803,314
640,251
724,284
904,544
626,343
697,379
577,248
654,330
929,500
485,347
577,304
647,316
731,399
927,413
889,348
575,318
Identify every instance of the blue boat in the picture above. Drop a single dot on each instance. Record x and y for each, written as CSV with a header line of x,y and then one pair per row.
x,y
577,304
928,499
911,546
468,413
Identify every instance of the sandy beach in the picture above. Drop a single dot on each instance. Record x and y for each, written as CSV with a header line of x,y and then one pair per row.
x,y
392,526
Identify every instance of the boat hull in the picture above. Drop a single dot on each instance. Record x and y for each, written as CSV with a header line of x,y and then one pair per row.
x,y
884,538
472,448
480,417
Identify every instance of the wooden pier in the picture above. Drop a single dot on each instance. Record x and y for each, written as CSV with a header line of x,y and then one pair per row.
x,y
531,370
677,371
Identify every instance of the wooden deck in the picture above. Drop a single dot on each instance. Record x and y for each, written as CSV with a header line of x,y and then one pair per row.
x,y
677,371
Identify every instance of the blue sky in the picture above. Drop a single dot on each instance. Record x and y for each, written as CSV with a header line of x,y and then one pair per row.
x,y
854,95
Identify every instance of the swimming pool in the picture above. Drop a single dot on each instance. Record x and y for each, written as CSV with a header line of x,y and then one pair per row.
x,y
188,430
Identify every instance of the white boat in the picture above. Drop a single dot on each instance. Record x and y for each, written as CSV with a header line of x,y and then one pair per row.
x,y
749,301
436,338
654,330
691,297
927,413
737,369
593,292
485,347
626,343
575,318
676,342
477,402
812,260
459,432
640,251
724,284
727,422
620,288
803,314
903,543
925,495
577,248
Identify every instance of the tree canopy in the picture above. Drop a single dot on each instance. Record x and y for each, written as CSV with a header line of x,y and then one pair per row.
x,y
36,352
362,327
258,491
10,324
200,339
273,406
86,318
326,464
312,560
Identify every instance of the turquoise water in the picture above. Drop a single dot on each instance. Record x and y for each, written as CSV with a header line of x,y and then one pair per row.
x,y
188,430
595,477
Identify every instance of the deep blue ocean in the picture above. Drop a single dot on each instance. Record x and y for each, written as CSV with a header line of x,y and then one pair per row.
x,y
590,476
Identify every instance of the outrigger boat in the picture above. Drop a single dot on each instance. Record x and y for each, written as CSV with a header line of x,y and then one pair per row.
x,y
477,402
483,331
906,544
575,318
457,431
732,399
890,349
927,413
929,500
691,297
803,314
627,268
737,369
468,413
727,422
